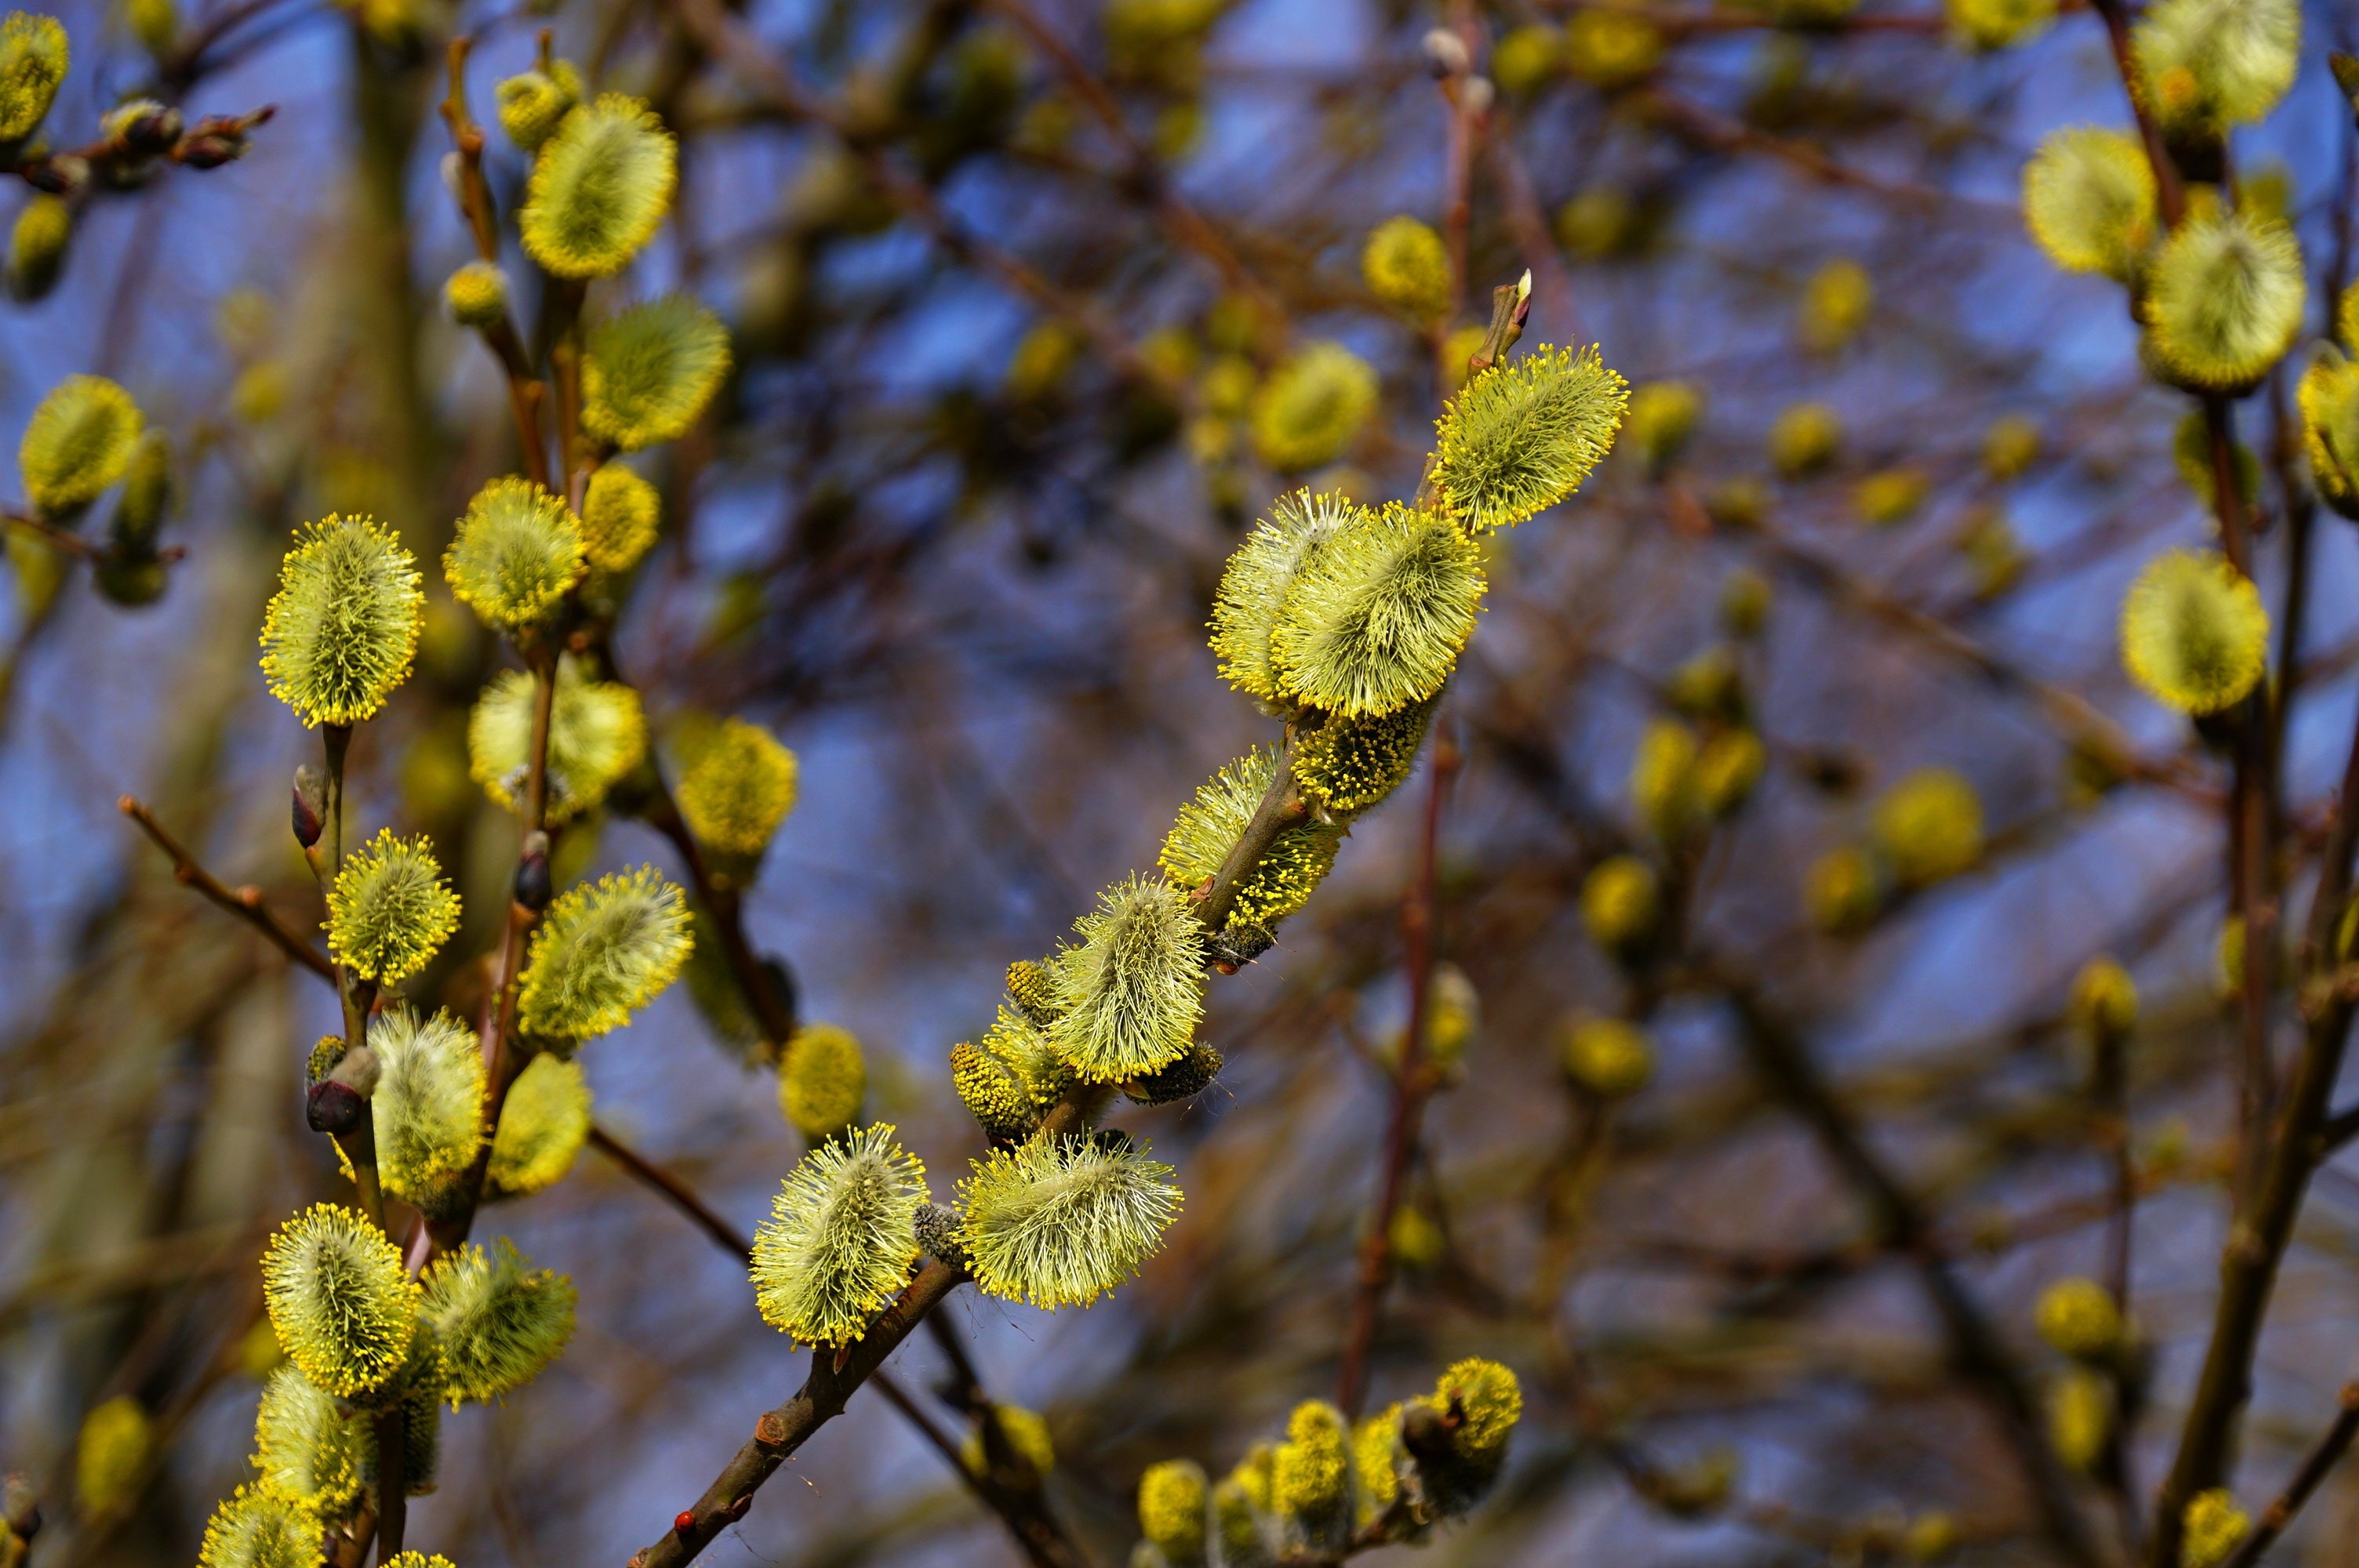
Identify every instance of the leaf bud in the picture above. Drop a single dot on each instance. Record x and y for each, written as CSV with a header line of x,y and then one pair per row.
x,y
310,804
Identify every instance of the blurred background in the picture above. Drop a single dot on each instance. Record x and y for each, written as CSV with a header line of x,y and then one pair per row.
x,y
951,532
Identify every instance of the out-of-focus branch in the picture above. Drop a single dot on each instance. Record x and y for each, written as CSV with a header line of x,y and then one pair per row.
x,y
245,902
2332,1444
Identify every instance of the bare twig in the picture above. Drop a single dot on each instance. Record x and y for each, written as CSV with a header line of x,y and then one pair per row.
x,y
246,902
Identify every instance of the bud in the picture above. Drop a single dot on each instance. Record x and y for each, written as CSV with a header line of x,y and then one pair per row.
x,y
2346,74
532,878
36,246
1445,55
333,1108
310,804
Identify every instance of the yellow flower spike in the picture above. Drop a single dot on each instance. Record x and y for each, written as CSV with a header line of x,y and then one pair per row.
x,y
1026,1433
1310,1476
2089,201
1662,779
341,631
1347,765
1619,904
841,1239
1312,407
620,515
33,56
497,1324
1128,996
532,103
2079,1417
2215,1526
2104,1001
1928,826
79,443
1836,306
1482,1400
2204,65
597,733
478,295
1171,1496
515,555
600,185
2078,1317
2010,446
2329,400
427,1109
1209,825
544,1123
1252,588
1060,1221
1376,618
310,1445
1009,1077
390,910
1806,439
111,1455
262,1527
1597,223
602,951
1844,889
1033,990
822,1080
36,246
2194,633
1407,267
418,1560
342,1305
1523,435
1890,496
1608,1057
1236,1523
1526,59
2224,302
738,785
648,372
1376,1464
1611,50
1985,25
1663,415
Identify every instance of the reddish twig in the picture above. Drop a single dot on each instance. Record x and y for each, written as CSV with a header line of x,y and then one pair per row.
x,y
245,902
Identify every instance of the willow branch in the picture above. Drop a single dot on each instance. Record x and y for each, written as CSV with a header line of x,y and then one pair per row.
x,y
246,902
2323,1455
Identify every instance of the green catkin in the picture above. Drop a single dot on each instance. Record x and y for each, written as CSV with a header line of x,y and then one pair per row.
x,y
515,555
544,1123
2224,302
2328,401
36,246
1662,779
2195,634
738,786
111,1455
476,295
2204,65
601,952
1928,826
2077,1317
822,1080
1985,25
1806,439
1346,766
308,1445
1060,1221
1311,1474
1312,407
600,185
1376,618
1253,587
621,513
2214,1525
1663,415
33,56
2089,201
497,1324
1011,1077
428,1107
2010,446
1836,306
1376,1464
1236,1524
1611,50
1171,1510
262,1527
1182,1079
1844,889
1128,996
1523,435
389,910
1619,904
1033,990
648,372
341,631
78,443
841,1238
531,105
1209,827
1407,267
1609,1057
339,1299
1025,1433
1480,1402
597,733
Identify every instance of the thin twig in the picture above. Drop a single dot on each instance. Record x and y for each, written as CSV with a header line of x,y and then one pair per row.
x,y
2322,1457
246,902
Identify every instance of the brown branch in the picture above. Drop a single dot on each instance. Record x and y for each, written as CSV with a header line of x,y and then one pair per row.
x,y
2329,1450
245,902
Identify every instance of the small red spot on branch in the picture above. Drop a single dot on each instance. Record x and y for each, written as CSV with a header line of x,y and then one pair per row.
x,y
684,1522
